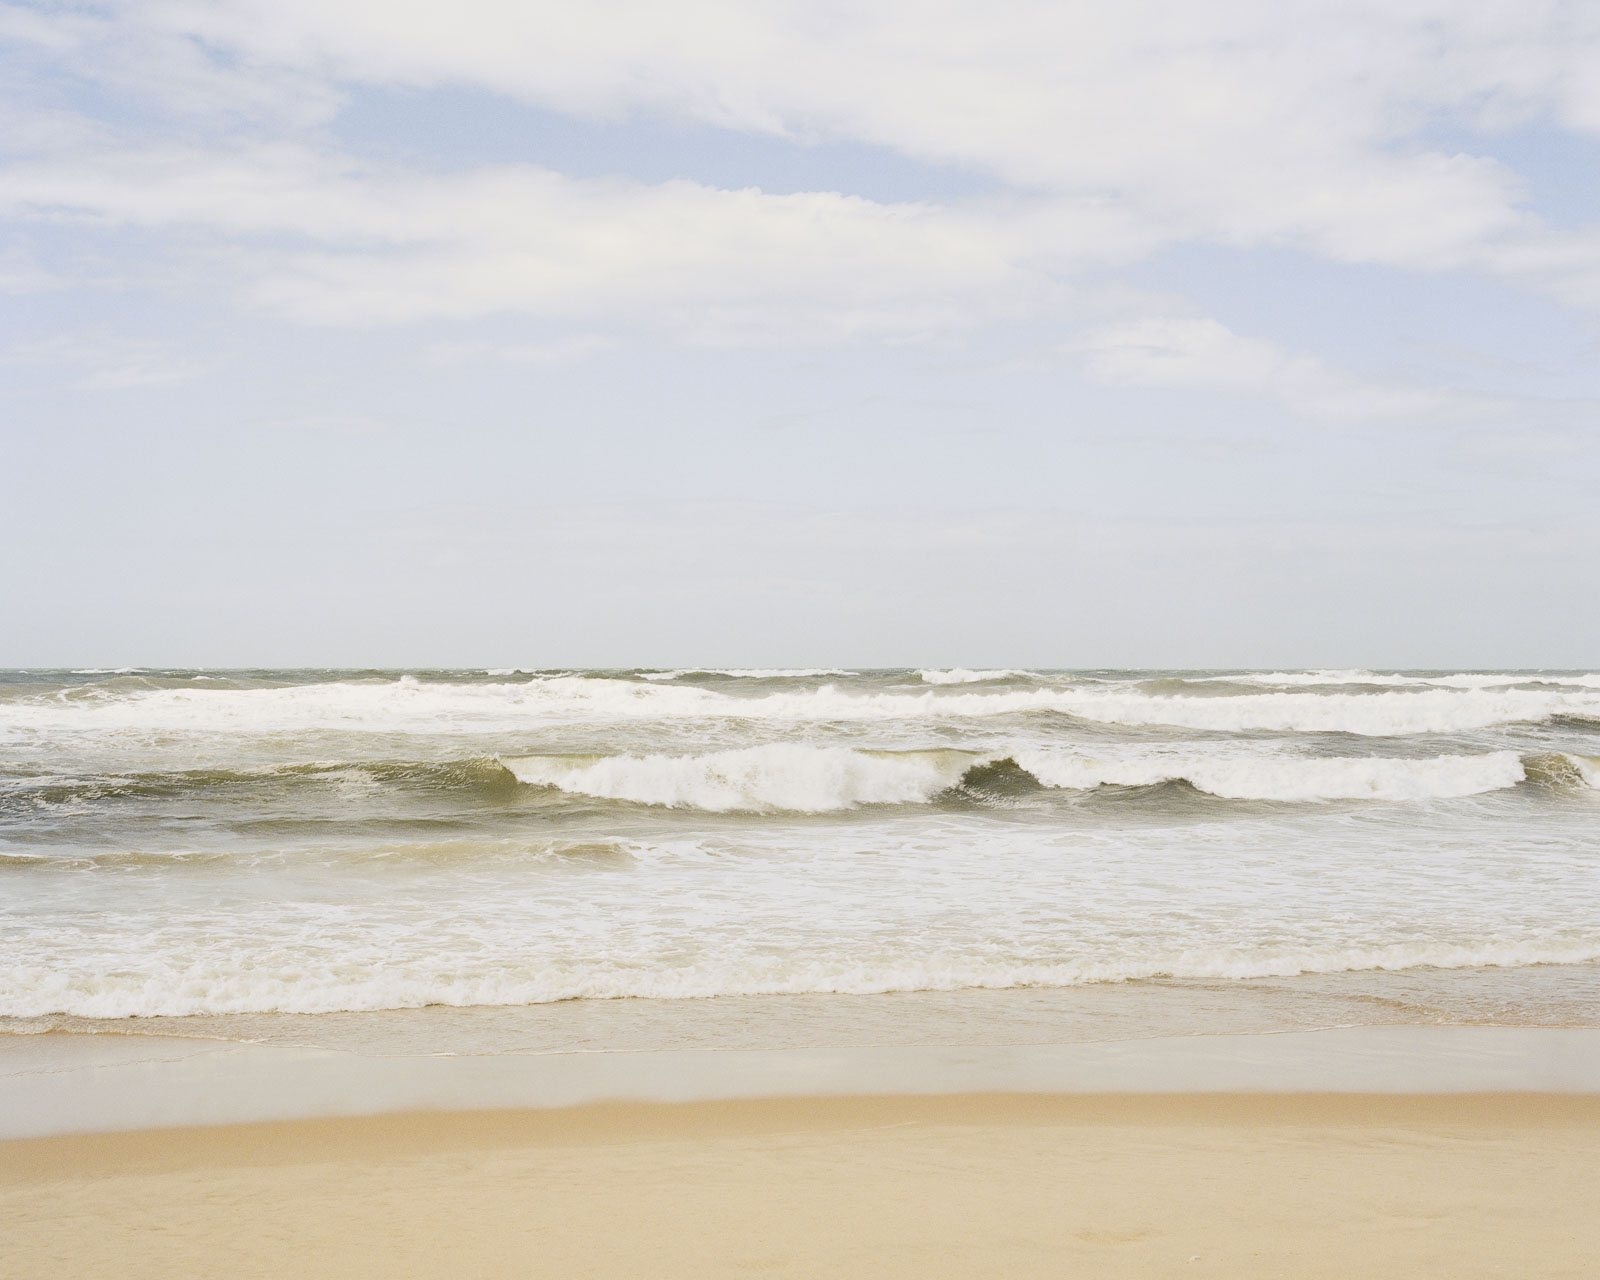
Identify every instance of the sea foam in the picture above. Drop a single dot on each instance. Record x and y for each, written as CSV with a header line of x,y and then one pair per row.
x,y
222,984
1290,779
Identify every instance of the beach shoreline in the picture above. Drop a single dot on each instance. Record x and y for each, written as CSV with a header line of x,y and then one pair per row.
x,y
58,1084
1110,1184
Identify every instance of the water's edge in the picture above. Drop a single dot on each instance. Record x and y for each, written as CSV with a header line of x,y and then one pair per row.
x,y
60,1084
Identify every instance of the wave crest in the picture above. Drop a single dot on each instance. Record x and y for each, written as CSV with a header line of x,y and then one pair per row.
x,y
1565,769
804,779
779,776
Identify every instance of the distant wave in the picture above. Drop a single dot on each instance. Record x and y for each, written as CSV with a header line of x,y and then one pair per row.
x,y
1458,680
960,675
1389,714
408,705
747,673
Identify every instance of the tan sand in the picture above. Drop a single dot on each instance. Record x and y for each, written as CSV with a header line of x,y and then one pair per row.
x,y
978,1185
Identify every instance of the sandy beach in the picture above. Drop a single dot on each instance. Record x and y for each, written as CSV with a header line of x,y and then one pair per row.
x,y
1231,1185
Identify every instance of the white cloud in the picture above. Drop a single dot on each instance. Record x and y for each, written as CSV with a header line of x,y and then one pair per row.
x,y
1246,121
329,241
1121,129
1200,354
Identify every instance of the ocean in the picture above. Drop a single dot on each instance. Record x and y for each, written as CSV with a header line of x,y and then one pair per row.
x,y
477,859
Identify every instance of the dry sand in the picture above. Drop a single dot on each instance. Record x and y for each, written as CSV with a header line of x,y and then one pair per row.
x,y
1185,1185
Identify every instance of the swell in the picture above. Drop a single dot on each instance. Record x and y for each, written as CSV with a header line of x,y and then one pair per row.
x,y
444,853
482,780
480,775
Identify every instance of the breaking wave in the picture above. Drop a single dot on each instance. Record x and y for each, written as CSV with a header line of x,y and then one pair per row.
x,y
1357,778
778,777
1564,769
801,779
796,778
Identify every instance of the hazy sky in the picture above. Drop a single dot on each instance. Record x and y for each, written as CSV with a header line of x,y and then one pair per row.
x,y
1053,333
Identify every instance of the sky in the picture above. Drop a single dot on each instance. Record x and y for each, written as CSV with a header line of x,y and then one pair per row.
x,y
1058,334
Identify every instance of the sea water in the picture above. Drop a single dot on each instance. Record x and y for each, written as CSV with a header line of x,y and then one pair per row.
x,y
526,856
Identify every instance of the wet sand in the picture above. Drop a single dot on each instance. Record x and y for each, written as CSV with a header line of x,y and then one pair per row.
x,y
1237,1185
57,1084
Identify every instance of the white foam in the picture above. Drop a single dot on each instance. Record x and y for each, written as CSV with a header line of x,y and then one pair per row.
x,y
220,985
776,777
409,705
1239,777
1392,714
